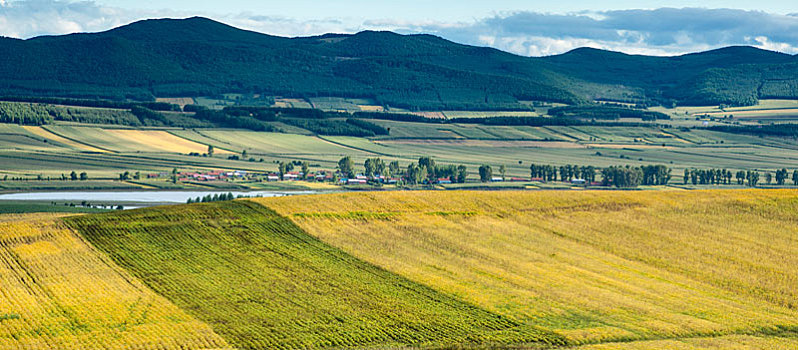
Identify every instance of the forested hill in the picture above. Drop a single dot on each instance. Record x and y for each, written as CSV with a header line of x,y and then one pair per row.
x,y
198,57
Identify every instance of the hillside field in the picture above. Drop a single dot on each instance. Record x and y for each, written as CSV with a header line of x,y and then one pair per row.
x,y
59,292
457,269
263,283
591,266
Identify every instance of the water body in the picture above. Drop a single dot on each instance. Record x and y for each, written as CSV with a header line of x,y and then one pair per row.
x,y
144,198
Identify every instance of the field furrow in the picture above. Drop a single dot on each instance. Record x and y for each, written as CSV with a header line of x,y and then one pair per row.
x,y
58,292
591,266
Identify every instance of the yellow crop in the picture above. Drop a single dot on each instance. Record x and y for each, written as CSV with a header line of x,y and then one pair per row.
x,y
735,342
57,292
594,266
159,140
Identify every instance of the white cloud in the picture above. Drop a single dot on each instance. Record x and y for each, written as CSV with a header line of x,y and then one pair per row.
x,y
664,31
765,43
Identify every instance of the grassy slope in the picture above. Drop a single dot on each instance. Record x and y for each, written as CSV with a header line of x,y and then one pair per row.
x,y
261,282
592,266
57,292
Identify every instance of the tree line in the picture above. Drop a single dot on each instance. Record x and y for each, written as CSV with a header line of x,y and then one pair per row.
x,y
749,178
425,171
218,197
98,103
606,112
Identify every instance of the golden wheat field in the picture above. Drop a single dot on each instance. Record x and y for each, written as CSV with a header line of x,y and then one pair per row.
x,y
57,292
729,342
159,140
593,266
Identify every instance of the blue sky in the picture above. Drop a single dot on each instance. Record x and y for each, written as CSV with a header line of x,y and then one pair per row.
x,y
532,28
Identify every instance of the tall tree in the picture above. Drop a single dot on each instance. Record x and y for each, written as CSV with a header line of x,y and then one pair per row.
x,y
462,173
346,166
485,173
282,168
369,167
394,168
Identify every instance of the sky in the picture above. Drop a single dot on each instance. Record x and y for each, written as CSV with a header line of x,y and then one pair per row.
x,y
531,28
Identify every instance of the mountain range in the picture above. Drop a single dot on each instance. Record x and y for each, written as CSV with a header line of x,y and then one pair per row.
x,y
201,57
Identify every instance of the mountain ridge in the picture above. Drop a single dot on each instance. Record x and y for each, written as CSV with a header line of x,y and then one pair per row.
x,y
199,56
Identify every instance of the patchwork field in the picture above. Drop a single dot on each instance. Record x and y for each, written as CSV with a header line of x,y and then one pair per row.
x,y
58,292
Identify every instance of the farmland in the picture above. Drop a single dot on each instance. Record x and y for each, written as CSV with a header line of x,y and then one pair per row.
x,y
205,258
578,269
592,267
59,292
38,157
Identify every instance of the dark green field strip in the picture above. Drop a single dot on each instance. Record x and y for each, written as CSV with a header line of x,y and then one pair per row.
x,y
369,151
84,160
21,207
61,185
261,282
61,161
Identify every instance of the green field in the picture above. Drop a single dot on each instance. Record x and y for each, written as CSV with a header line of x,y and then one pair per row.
x,y
21,207
261,282
32,152
455,144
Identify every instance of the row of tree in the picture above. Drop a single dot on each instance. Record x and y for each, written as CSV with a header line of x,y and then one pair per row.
x,y
566,172
741,177
605,112
423,171
24,114
213,198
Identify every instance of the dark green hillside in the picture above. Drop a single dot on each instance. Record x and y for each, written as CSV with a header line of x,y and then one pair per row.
x,y
200,57
263,283
731,75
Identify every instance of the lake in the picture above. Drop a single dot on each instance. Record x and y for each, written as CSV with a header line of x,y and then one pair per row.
x,y
144,198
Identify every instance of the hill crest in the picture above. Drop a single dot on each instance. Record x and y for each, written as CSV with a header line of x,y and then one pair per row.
x,y
198,56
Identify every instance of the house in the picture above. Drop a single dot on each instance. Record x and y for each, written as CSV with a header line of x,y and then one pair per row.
x,y
291,176
444,180
538,179
496,179
356,181
273,177
393,180
237,173
518,179
578,182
